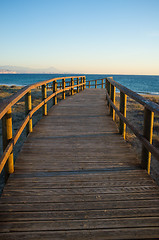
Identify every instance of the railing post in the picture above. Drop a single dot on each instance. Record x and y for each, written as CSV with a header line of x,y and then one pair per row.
x,y
72,84
84,83
63,87
112,111
44,96
109,92
147,133
81,88
7,137
89,84
106,86
81,81
102,83
28,108
54,91
95,83
109,88
122,125
77,84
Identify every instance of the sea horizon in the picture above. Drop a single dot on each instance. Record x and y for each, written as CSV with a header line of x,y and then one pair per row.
x,y
80,73
143,84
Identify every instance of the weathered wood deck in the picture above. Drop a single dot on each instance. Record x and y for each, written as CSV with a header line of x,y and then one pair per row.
x,y
76,178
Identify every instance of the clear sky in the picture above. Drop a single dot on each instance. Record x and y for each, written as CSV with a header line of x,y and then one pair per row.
x,y
81,36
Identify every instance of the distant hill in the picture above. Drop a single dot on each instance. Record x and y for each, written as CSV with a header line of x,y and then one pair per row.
x,y
6,71
17,69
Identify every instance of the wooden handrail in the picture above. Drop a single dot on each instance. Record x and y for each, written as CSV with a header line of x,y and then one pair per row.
x,y
26,91
145,102
150,109
150,147
96,83
21,93
110,85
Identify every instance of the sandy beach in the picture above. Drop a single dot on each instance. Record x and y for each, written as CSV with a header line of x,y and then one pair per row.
x,y
134,115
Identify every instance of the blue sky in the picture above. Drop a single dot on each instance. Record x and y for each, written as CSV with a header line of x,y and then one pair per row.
x,y
81,36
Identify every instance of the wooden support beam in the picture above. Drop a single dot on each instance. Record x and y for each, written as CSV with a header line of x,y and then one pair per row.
x,y
106,86
102,83
77,84
106,83
122,125
147,133
109,92
44,96
55,90
95,83
112,111
7,137
63,87
82,81
72,84
28,108
85,82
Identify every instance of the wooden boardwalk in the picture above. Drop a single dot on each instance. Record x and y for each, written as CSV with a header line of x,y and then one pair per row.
x,y
76,178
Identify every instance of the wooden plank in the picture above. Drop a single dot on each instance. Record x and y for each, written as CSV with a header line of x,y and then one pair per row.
x,y
102,234
78,205
91,224
75,184
96,176
65,191
78,214
8,198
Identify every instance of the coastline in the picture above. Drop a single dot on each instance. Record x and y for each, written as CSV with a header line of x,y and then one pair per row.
x,y
12,85
142,84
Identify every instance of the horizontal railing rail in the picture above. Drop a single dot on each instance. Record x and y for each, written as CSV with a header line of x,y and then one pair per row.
x,y
149,109
143,101
96,83
9,141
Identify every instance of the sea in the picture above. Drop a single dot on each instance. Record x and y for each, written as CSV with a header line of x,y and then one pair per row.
x,y
142,84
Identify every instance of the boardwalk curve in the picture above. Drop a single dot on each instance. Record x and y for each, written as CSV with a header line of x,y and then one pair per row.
x,y
76,178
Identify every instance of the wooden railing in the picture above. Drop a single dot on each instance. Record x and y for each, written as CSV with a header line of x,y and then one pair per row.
x,y
58,86
75,84
149,109
97,83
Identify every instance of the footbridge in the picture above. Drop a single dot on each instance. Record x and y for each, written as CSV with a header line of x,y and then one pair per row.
x,y
75,176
